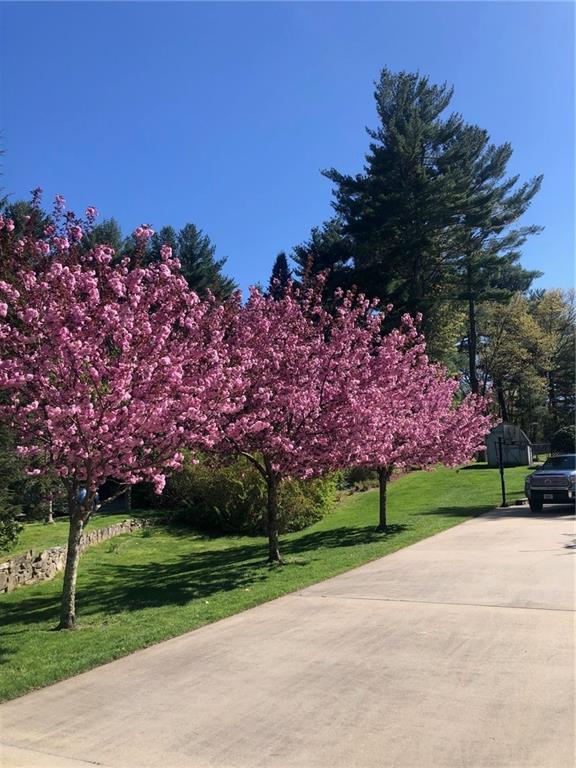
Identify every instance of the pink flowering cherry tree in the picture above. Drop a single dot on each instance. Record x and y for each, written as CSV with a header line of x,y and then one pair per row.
x,y
411,414
106,372
299,373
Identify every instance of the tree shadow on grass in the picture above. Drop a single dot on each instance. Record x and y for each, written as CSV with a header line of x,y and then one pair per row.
x,y
111,588
345,536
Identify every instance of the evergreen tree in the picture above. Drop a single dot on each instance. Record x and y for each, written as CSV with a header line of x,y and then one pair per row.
x,y
280,277
26,217
166,236
486,266
328,248
196,253
107,232
398,212
428,221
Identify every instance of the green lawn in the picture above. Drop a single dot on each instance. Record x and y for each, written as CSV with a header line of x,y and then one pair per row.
x,y
138,589
38,536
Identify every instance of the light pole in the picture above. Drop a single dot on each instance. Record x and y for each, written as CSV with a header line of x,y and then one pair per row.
x,y
501,464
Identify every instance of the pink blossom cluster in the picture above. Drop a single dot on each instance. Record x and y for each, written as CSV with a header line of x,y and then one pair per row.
x,y
301,372
62,236
143,232
109,371
322,390
409,414
7,224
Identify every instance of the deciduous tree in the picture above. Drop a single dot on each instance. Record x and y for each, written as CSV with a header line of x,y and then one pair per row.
x,y
301,372
512,358
555,313
411,414
106,370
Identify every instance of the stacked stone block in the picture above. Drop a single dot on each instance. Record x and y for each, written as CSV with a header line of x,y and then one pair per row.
x,y
32,568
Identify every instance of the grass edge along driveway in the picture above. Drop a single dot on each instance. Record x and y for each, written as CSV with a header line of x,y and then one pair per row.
x,y
145,587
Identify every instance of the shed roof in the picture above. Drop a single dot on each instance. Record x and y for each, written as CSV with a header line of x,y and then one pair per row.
x,y
511,434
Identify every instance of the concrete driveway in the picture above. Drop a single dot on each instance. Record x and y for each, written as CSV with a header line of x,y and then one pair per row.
x,y
455,652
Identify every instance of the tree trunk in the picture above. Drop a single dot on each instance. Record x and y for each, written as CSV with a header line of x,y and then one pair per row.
x,y
129,499
552,401
502,402
272,520
50,516
383,477
472,346
68,605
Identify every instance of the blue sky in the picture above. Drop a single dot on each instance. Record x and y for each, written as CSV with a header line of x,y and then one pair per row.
x,y
223,114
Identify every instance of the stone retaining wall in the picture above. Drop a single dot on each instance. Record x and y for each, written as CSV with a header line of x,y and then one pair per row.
x,y
31,568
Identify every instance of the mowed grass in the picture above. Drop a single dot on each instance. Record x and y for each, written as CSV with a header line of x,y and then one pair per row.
x,y
139,589
39,536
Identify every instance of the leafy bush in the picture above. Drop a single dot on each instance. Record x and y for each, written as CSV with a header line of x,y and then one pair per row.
x,y
10,509
9,525
359,478
564,441
232,498
34,494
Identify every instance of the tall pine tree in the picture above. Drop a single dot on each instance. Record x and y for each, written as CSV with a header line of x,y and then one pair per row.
x,y
107,232
280,277
428,224
397,213
327,248
486,264
197,255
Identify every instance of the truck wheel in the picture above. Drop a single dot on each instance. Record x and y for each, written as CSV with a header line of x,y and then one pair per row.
x,y
536,503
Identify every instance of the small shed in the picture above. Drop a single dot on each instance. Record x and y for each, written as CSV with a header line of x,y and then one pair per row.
x,y
516,447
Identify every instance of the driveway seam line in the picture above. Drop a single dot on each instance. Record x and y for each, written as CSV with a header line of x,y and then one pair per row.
x,y
439,602
53,754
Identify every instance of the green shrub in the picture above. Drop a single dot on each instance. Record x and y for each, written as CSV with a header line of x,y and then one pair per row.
x,y
9,525
359,478
33,494
564,441
232,498
10,509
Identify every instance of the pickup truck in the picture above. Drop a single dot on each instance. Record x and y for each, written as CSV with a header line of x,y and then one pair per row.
x,y
553,483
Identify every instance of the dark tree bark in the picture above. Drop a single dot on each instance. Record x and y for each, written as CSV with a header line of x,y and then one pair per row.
x,y
129,499
272,482
68,605
472,345
552,400
383,477
502,402
272,479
